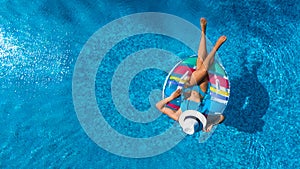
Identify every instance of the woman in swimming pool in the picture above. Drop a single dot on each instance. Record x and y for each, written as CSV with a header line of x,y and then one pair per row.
x,y
196,87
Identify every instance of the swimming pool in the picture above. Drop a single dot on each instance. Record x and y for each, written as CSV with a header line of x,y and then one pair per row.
x,y
40,44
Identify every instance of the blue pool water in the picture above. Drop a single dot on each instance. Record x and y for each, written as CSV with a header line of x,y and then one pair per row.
x,y
40,43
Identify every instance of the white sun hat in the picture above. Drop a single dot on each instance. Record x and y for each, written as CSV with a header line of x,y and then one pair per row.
x,y
192,121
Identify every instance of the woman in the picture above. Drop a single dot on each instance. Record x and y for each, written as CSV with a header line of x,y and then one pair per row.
x,y
196,84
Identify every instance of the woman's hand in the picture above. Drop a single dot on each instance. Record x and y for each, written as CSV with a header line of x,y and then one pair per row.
x,y
176,94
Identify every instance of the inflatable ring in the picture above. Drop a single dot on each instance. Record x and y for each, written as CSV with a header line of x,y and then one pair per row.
x,y
218,90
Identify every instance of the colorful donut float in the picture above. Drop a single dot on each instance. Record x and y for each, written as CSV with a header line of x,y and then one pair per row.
x,y
219,86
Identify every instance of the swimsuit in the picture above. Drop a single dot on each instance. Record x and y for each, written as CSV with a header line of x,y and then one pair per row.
x,y
192,105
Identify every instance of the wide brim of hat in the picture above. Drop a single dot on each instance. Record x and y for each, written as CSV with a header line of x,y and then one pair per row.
x,y
193,114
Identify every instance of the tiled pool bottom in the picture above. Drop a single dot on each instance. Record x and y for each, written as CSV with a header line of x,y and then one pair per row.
x,y
40,129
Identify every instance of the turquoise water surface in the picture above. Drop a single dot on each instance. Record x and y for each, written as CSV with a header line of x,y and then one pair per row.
x,y
40,42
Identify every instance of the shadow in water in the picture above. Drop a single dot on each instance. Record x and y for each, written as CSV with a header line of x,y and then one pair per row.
x,y
248,102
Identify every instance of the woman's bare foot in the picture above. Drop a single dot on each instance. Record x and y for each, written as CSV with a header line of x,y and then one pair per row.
x,y
209,126
219,42
203,23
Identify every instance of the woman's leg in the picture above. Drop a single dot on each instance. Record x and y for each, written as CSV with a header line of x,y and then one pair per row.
x,y
210,58
202,53
198,75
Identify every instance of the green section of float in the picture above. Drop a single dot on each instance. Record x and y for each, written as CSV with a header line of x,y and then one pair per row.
x,y
190,61
217,69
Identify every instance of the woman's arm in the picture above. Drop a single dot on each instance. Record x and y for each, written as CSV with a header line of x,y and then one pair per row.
x,y
161,105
